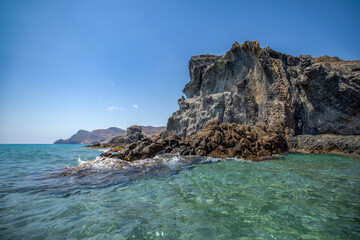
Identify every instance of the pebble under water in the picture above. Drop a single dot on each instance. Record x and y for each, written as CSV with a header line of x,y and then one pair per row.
x,y
296,196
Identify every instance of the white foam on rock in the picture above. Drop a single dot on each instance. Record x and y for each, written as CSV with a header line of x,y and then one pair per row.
x,y
101,163
171,161
239,159
104,150
79,161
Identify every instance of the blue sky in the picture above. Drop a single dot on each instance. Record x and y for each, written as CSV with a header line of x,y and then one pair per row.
x,y
70,65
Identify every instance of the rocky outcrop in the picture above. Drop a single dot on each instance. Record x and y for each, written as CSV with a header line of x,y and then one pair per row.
x,y
86,137
252,85
133,134
220,140
326,143
153,130
254,102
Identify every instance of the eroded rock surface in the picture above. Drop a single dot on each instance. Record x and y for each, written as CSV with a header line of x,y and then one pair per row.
x,y
327,143
220,140
133,134
255,102
251,85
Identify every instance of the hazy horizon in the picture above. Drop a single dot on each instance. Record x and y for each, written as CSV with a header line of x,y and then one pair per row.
x,y
71,65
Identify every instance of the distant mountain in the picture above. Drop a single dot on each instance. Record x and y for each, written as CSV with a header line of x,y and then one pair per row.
x,y
86,137
152,130
102,135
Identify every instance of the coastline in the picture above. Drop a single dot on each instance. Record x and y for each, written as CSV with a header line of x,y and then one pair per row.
x,y
229,141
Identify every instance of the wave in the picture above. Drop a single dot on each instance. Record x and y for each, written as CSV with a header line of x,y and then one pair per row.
x,y
171,161
104,172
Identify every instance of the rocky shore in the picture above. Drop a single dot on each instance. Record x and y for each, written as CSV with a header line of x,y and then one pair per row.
x,y
252,103
219,140
326,143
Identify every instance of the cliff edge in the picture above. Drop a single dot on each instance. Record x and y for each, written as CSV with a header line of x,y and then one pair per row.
x,y
252,85
254,102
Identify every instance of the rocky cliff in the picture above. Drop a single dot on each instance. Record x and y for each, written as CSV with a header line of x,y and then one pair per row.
x,y
254,103
252,85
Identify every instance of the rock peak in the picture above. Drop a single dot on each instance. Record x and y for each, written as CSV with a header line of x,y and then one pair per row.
x,y
326,58
253,46
235,44
250,85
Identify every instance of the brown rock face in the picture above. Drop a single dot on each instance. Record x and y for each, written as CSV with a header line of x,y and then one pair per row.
x,y
224,140
327,143
220,140
251,85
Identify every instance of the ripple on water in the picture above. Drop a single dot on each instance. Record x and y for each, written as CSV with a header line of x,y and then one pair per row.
x,y
298,196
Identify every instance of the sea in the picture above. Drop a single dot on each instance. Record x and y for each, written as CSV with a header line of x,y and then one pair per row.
x,y
294,196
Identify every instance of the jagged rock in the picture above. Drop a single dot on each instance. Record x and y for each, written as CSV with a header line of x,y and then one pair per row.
x,y
221,140
254,102
133,134
327,143
252,85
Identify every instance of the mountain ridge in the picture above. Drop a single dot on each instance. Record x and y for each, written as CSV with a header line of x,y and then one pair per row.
x,y
101,135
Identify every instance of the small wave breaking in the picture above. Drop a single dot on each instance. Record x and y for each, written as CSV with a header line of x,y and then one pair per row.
x,y
170,161
103,172
104,149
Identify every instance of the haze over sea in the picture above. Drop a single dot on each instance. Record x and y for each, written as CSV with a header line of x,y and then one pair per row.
x,y
297,196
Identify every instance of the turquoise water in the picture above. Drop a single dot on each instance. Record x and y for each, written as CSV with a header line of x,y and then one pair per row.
x,y
298,196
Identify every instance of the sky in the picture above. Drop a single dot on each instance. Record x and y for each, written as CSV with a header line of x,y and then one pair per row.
x,y
86,64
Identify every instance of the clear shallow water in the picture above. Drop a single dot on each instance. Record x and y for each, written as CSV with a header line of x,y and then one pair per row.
x,y
299,196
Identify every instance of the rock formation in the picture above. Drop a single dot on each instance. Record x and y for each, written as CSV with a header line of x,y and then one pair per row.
x,y
152,130
220,140
252,85
133,134
327,143
254,102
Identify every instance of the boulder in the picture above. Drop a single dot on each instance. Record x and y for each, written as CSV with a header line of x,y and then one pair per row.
x,y
133,134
